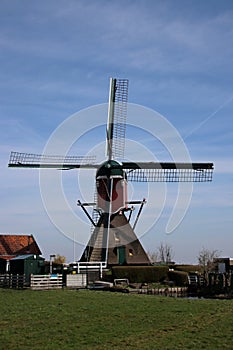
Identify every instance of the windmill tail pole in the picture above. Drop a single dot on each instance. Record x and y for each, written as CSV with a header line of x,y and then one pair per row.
x,y
139,212
82,205
107,221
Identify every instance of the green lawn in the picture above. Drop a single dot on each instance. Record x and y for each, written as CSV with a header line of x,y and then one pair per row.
x,y
66,319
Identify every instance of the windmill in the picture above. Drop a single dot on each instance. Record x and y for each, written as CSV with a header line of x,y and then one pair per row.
x,y
113,240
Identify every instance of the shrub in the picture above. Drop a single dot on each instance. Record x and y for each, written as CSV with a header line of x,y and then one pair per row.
x,y
141,274
180,278
187,268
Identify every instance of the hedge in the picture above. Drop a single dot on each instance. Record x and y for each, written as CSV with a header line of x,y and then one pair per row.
x,y
141,274
180,278
186,268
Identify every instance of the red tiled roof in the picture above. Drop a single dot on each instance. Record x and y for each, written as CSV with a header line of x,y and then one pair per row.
x,y
18,245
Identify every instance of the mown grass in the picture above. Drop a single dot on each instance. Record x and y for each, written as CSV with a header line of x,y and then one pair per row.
x,y
66,319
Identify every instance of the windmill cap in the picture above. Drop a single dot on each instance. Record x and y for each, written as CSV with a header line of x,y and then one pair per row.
x,y
110,168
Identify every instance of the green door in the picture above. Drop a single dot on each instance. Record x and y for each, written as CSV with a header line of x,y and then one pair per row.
x,y
121,255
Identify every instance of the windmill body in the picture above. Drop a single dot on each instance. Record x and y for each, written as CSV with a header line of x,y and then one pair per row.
x,y
111,171
113,240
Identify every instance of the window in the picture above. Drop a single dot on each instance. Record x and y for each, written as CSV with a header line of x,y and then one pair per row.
x,y
131,252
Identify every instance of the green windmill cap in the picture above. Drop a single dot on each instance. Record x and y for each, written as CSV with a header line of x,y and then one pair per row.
x,y
110,168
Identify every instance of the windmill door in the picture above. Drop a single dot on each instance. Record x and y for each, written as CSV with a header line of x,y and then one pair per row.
x,y
121,255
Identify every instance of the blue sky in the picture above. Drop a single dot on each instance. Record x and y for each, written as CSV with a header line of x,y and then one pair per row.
x,y
56,59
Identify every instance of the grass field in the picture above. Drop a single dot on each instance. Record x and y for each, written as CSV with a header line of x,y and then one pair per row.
x,y
64,319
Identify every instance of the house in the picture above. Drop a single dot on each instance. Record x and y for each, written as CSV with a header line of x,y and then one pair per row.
x,y
223,265
13,246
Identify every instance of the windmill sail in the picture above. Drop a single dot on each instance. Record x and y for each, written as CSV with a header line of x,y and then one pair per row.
x,y
30,160
168,172
117,109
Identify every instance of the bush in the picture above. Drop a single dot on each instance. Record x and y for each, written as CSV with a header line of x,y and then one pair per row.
x,y
180,278
141,274
187,268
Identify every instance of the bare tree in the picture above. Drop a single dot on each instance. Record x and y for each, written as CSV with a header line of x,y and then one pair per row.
x,y
153,256
206,259
165,253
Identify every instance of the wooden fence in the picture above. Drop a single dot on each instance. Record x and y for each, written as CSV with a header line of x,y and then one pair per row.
x,y
42,282
12,281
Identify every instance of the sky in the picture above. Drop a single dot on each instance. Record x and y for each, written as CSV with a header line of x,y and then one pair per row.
x,y
56,60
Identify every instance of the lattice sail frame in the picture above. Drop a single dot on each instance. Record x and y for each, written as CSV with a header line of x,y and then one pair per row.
x,y
170,175
117,110
120,112
168,172
18,159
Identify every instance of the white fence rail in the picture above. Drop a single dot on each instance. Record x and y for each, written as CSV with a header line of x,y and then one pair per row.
x,y
76,281
40,282
92,265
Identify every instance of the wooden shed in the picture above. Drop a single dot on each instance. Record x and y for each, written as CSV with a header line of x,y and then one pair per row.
x,y
26,265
